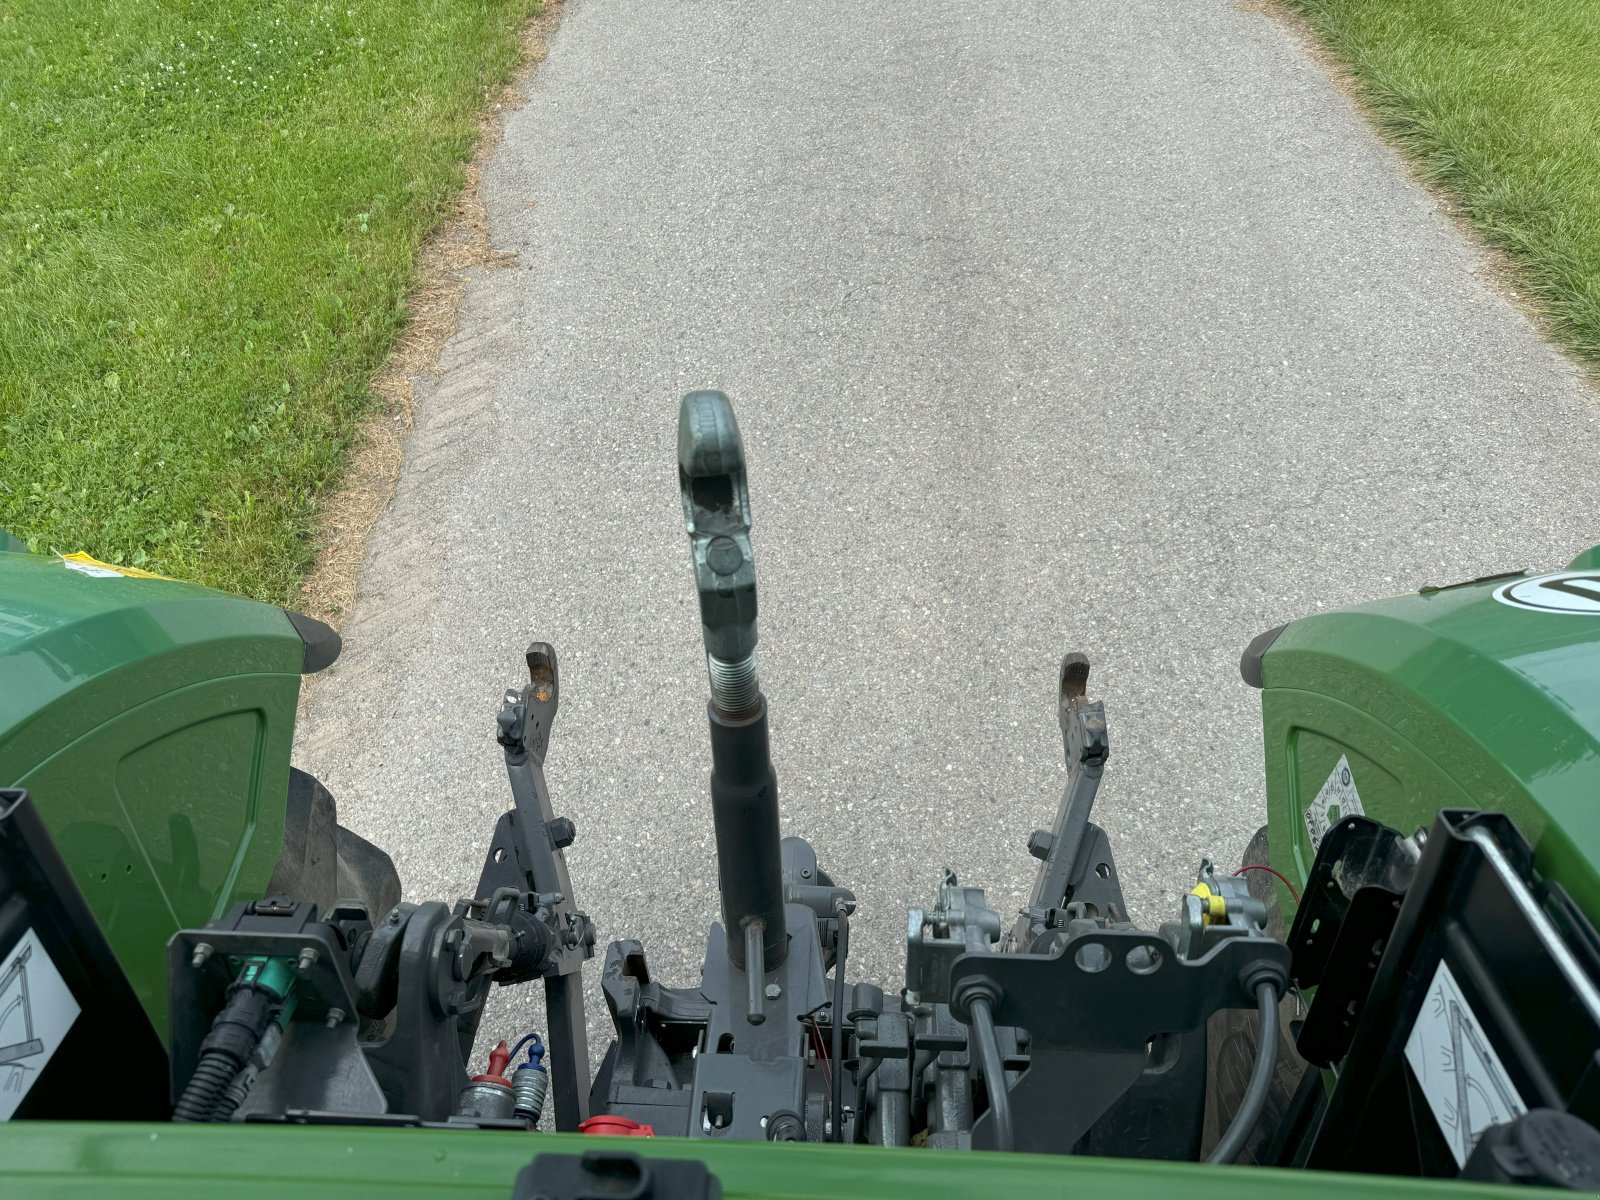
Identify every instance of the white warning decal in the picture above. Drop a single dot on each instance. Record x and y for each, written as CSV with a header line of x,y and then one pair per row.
x,y
36,1010
1336,800
92,569
1462,1078
1574,592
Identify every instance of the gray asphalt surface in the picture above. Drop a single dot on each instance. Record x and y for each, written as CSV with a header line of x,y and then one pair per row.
x,y
1104,325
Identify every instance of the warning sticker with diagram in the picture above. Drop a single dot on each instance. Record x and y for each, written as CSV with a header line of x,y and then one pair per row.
x,y
1336,800
1461,1077
36,1011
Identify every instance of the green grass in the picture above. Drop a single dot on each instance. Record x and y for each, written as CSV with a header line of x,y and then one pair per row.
x,y
1498,102
209,217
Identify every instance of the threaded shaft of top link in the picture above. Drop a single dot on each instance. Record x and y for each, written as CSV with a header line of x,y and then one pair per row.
x,y
734,686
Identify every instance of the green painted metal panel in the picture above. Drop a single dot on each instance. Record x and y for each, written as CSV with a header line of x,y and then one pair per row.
x,y
1589,560
1443,698
166,1162
152,722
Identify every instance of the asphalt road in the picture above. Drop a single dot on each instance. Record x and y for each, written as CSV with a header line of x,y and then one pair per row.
x,y
1104,325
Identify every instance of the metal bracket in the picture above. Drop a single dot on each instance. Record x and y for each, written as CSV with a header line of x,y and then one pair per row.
x,y
1352,900
1486,963
1093,1012
962,923
421,1071
528,854
199,971
1087,746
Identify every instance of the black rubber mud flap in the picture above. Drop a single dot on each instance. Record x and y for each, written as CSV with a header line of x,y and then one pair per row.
x,y
323,862
1231,1046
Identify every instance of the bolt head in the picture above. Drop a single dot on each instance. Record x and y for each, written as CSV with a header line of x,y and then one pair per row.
x,y
724,556
562,832
773,991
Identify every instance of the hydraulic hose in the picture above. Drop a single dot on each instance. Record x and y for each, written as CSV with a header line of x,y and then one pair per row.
x,y
234,1036
253,1002
1248,1114
994,1072
260,1058
205,1089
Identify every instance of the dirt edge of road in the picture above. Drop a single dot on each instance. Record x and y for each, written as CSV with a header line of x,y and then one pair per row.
x,y
1498,270
460,245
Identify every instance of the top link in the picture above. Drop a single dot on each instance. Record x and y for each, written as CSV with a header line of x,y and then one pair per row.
x,y
716,513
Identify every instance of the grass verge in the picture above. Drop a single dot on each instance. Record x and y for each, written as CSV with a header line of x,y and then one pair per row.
x,y
209,217
1498,102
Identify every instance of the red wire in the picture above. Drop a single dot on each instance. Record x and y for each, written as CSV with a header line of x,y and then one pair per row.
x,y
1279,874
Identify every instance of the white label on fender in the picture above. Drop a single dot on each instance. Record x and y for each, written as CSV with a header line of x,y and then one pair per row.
x,y
1573,592
1336,800
1462,1078
36,1010
92,570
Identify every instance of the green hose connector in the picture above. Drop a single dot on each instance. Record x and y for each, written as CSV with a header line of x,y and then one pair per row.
x,y
278,976
261,995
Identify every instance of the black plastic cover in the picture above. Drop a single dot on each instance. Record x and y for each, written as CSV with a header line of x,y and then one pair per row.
x,y
601,1174
1250,660
1542,1148
321,641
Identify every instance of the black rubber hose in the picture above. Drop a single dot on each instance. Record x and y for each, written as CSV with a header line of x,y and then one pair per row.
x,y
206,1085
994,1072
232,1096
1248,1114
838,1021
234,1036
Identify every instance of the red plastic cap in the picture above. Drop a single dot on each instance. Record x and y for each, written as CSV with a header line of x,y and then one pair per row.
x,y
498,1058
617,1127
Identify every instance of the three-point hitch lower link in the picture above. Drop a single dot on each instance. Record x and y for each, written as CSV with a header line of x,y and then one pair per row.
x,y
744,790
